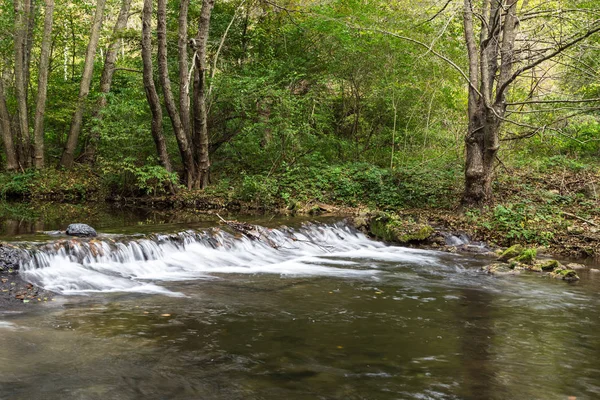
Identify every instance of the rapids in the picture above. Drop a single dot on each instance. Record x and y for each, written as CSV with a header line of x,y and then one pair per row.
x,y
112,263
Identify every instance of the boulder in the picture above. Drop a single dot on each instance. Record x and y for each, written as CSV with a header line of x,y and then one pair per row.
x,y
81,230
11,257
565,274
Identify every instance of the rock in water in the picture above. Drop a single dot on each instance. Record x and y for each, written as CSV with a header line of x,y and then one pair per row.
x,y
10,257
81,230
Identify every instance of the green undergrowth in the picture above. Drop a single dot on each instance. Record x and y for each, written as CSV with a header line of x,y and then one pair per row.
x,y
352,185
76,185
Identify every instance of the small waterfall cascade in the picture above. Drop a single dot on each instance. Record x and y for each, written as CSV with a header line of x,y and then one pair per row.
x,y
112,263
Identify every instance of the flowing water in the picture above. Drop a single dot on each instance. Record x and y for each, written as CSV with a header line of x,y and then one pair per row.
x,y
314,311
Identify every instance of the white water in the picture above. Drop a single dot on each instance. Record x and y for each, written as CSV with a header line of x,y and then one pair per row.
x,y
77,266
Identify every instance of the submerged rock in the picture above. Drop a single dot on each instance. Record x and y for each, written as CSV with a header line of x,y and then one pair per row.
x,y
500,269
575,266
81,230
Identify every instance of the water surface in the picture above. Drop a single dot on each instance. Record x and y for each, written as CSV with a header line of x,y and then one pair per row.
x,y
324,314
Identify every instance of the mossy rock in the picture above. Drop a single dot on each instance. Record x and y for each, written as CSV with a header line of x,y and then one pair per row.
x,y
511,252
525,267
568,275
500,269
527,256
391,228
549,265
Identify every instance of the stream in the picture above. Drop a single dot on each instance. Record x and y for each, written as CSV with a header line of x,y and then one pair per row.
x,y
315,310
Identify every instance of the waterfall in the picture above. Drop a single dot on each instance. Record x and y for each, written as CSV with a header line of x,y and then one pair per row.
x,y
112,263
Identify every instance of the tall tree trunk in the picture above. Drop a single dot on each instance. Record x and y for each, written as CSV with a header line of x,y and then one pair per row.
x,y
38,125
184,80
163,72
200,113
107,76
22,11
488,81
7,138
151,94
68,155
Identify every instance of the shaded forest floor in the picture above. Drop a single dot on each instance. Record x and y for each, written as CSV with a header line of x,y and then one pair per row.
x,y
554,206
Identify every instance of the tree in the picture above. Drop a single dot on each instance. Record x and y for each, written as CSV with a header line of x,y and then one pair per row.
x,y
12,163
175,116
22,18
495,62
68,155
107,75
38,129
150,88
201,142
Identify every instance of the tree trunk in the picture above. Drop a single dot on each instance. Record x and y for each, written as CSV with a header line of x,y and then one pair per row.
x,y
84,87
487,91
22,11
107,76
163,71
38,129
200,113
7,138
184,80
151,94
481,150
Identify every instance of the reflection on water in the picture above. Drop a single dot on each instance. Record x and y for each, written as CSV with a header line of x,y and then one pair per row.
x,y
405,325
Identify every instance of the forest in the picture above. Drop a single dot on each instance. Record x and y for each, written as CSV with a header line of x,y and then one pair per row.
x,y
483,114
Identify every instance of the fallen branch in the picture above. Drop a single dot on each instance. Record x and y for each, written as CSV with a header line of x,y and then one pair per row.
x,y
579,218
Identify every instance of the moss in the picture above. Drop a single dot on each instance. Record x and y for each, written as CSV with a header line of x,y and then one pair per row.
x,y
550,265
527,256
511,252
391,228
564,274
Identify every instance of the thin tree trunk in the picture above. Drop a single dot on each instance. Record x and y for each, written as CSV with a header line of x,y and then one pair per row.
x,y
107,76
200,113
184,80
68,155
22,8
163,72
30,10
7,138
151,94
38,128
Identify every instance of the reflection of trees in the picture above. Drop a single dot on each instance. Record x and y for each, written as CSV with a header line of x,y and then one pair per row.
x,y
14,227
476,344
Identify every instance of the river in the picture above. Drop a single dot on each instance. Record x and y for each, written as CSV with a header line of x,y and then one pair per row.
x,y
312,311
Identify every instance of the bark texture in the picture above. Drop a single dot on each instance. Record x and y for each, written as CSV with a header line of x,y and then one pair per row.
x,y
7,137
38,125
68,155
